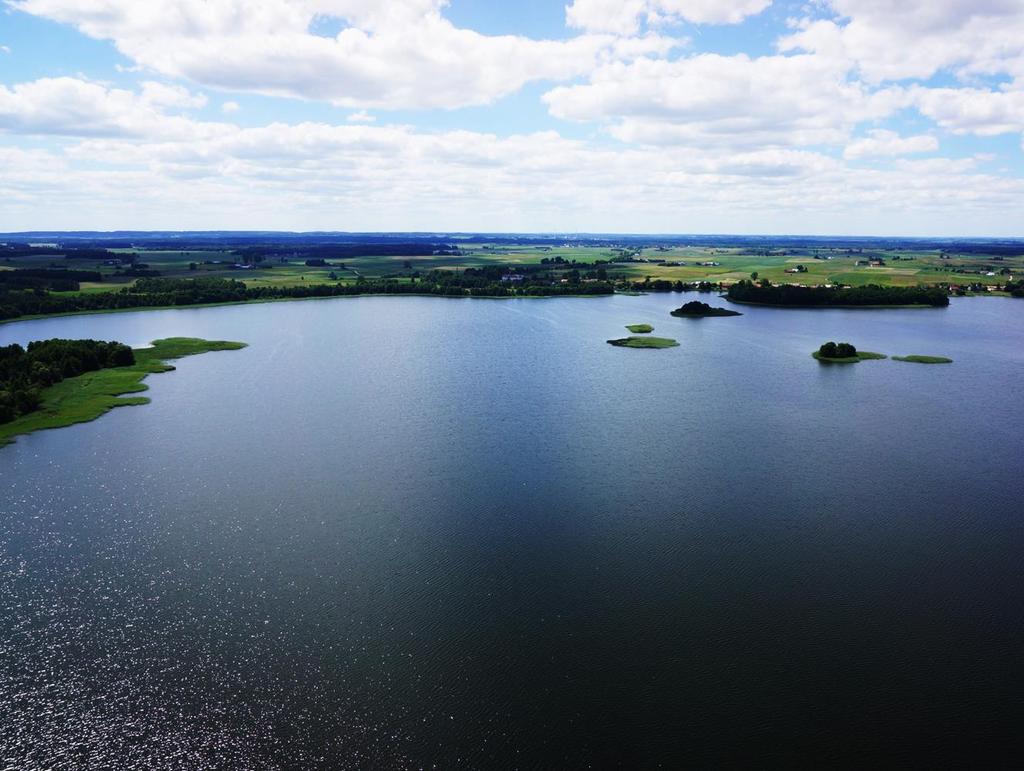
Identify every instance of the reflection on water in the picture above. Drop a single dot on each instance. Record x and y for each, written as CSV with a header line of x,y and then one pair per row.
x,y
400,532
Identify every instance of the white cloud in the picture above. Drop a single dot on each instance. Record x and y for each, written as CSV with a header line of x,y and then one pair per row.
x,y
5,49
882,142
972,110
883,41
163,95
623,17
833,74
936,166
725,100
708,142
368,177
918,38
75,107
390,54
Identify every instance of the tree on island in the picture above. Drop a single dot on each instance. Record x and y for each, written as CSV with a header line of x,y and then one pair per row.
x,y
697,308
832,350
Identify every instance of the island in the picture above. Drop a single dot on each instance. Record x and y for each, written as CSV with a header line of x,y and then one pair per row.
x,y
870,296
844,353
639,329
924,359
696,309
644,342
56,383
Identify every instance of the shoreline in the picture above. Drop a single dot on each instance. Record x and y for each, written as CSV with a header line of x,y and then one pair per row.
x,y
91,395
916,306
65,314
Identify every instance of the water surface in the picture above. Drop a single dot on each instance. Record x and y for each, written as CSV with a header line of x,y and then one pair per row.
x,y
414,531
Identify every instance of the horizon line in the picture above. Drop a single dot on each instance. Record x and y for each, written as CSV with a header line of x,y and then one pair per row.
x,y
515,233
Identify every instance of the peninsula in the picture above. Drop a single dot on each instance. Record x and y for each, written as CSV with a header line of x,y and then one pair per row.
x,y
101,373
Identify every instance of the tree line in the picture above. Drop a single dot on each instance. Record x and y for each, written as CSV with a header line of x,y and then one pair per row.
x,y
813,296
159,292
54,279
345,251
25,372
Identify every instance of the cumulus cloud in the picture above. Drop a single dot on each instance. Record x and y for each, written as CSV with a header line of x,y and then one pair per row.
x,y
623,17
163,95
725,100
389,53
75,107
707,140
918,38
972,110
846,62
359,177
882,142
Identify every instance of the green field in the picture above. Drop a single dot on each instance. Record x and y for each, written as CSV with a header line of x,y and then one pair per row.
x,y
87,397
823,265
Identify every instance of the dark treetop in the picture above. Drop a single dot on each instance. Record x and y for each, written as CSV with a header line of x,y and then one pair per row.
x,y
696,308
808,296
24,373
161,292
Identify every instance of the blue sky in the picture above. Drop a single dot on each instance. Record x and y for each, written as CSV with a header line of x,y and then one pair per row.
x,y
748,116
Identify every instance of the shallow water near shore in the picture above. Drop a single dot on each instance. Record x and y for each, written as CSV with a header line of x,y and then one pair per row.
x,y
401,532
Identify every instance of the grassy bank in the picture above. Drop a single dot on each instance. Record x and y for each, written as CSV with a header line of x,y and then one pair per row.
x,y
861,356
924,359
87,397
644,342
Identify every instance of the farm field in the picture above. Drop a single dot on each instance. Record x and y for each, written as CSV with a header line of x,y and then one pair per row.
x,y
809,265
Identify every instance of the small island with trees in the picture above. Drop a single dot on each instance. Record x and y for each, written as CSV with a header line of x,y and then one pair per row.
x,y
844,353
644,342
56,383
696,310
640,329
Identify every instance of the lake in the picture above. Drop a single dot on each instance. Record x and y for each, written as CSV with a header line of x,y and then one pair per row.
x,y
406,532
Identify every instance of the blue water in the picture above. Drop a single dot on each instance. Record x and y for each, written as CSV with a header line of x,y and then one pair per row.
x,y
405,532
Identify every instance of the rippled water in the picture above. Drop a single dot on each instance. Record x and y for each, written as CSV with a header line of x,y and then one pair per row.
x,y
404,532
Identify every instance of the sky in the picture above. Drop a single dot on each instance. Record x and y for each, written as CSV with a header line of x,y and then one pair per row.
x,y
826,117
